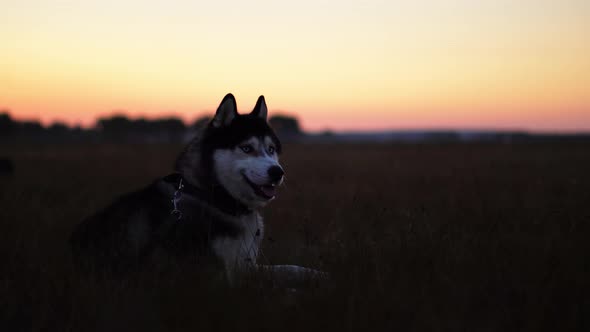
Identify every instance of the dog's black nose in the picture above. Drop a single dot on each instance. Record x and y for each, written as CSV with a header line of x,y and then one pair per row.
x,y
275,173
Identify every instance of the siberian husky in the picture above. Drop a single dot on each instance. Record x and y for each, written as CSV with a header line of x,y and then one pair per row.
x,y
207,209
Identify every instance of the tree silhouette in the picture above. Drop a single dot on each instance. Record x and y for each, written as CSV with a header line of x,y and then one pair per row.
x,y
30,128
119,127
58,128
286,127
115,125
7,125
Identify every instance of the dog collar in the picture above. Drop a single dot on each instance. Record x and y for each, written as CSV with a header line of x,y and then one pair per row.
x,y
216,196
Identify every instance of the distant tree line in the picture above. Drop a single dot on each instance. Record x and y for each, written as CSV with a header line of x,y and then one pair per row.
x,y
120,128
32,130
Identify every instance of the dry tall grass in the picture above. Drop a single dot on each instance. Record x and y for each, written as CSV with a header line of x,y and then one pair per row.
x,y
416,237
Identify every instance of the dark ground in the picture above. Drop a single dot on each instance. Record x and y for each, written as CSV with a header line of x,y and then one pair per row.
x,y
416,237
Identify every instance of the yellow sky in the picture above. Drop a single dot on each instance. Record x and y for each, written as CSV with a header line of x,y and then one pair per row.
x,y
337,64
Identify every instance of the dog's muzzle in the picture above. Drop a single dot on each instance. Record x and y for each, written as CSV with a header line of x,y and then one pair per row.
x,y
265,191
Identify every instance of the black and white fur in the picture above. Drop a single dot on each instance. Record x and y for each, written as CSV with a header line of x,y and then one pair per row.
x,y
223,177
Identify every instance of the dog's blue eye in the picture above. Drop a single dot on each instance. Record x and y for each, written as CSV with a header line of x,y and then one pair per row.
x,y
246,148
271,149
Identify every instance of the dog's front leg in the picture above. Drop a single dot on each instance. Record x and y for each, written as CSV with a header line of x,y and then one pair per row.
x,y
291,275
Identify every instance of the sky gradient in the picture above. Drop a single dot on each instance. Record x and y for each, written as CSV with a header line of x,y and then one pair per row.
x,y
341,65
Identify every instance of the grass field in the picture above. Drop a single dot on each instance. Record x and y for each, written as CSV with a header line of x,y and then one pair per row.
x,y
416,237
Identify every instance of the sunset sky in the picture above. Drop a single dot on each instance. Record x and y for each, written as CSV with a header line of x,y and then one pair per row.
x,y
343,65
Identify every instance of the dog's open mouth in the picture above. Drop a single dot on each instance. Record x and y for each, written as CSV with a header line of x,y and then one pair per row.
x,y
266,191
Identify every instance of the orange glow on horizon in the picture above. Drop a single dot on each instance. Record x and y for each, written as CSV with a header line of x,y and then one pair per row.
x,y
375,65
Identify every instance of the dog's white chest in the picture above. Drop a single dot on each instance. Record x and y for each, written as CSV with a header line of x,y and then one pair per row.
x,y
240,251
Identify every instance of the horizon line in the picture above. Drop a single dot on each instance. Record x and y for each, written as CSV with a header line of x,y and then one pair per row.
x,y
345,131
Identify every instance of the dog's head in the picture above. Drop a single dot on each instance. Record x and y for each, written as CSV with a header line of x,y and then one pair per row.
x,y
243,153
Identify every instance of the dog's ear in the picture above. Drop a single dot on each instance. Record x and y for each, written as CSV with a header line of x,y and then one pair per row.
x,y
260,109
226,112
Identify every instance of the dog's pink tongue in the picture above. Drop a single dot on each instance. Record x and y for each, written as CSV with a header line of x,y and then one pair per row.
x,y
269,190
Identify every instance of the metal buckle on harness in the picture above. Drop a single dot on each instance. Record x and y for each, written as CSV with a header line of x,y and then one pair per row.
x,y
176,199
